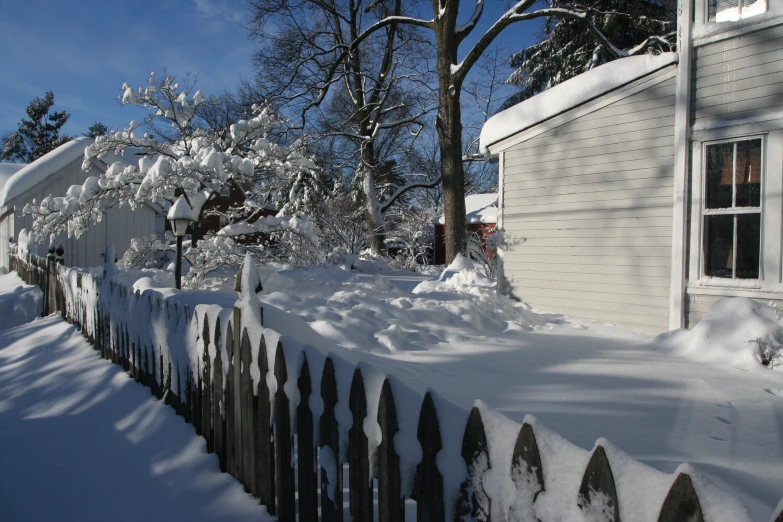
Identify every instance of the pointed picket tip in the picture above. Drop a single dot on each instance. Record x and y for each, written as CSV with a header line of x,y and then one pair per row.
x,y
599,480
281,371
527,457
474,503
682,503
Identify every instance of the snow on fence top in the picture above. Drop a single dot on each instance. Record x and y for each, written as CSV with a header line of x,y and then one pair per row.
x,y
479,208
37,171
457,465
569,94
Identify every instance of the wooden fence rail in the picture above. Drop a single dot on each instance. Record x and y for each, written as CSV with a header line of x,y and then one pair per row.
x,y
282,431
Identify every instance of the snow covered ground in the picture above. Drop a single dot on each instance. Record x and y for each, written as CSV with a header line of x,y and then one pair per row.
x,y
82,441
697,397
690,397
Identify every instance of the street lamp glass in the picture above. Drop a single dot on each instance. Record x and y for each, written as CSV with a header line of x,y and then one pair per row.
x,y
180,226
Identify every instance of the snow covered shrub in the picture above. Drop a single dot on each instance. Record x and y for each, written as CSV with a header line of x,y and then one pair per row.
x,y
150,251
482,249
412,232
182,154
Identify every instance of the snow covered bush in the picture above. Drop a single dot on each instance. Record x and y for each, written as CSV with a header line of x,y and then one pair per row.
x,y
180,155
482,249
413,232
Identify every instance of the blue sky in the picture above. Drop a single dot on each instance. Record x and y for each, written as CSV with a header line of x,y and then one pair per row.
x,y
84,50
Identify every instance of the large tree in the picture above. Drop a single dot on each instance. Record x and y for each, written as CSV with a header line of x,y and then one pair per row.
x,y
567,47
364,102
451,75
37,134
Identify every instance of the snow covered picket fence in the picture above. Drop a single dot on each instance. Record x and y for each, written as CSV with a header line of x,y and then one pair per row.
x,y
286,419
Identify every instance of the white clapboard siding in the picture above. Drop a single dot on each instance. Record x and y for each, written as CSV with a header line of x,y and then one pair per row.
x,y
118,226
587,213
738,77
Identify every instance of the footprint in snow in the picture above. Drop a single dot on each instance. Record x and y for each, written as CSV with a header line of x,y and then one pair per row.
x,y
772,391
724,420
726,405
721,439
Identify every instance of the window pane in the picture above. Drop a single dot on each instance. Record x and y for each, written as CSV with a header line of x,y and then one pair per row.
x,y
724,10
720,162
748,245
718,243
748,173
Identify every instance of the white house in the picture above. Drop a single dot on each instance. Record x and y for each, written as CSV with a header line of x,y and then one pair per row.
x,y
644,190
52,174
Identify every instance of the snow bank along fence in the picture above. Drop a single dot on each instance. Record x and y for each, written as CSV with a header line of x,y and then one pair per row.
x,y
281,416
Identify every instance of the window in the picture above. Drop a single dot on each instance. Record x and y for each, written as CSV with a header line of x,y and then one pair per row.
x,y
731,238
733,10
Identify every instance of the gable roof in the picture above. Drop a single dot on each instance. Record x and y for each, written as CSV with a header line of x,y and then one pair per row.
x,y
37,171
570,94
479,208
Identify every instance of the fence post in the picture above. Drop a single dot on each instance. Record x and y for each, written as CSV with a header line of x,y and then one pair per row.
x,y
48,307
391,506
527,472
474,503
359,487
428,486
286,490
305,448
219,401
265,450
206,390
331,487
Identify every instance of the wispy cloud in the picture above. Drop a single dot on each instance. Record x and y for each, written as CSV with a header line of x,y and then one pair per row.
x,y
218,9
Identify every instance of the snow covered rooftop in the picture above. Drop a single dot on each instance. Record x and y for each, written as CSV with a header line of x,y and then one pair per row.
x,y
570,94
36,172
479,208
7,170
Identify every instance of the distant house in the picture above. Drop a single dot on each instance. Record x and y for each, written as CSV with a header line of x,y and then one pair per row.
x,y
53,174
644,190
481,216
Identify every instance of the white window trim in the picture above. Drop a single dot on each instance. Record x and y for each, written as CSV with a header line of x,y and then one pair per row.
x,y
771,216
703,14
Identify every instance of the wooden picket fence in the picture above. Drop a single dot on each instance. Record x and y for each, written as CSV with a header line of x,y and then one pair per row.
x,y
272,446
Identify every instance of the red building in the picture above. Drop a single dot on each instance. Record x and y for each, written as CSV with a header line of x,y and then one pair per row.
x,y
481,212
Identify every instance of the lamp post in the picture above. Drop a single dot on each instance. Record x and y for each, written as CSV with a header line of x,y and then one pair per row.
x,y
181,216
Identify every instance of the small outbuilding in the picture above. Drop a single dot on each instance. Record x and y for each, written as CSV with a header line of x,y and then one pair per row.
x,y
481,216
52,174
587,191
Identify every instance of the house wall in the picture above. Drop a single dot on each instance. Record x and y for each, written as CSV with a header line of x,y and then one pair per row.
x,y
737,91
738,78
587,213
118,227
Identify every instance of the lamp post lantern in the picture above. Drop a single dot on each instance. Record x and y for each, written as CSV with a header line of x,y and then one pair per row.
x,y
181,216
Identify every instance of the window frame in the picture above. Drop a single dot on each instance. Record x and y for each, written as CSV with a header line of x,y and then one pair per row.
x,y
702,212
740,5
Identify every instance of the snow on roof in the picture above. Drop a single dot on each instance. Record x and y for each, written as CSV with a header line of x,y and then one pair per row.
x,y
37,171
7,170
570,94
479,208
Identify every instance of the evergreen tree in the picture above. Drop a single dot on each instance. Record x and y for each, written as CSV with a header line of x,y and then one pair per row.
x,y
38,134
567,47
96,129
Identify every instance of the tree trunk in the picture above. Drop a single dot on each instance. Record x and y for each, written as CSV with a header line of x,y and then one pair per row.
x,y
449,128
376,227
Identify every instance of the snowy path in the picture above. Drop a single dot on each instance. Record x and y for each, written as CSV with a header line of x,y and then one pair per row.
x,y
82,441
